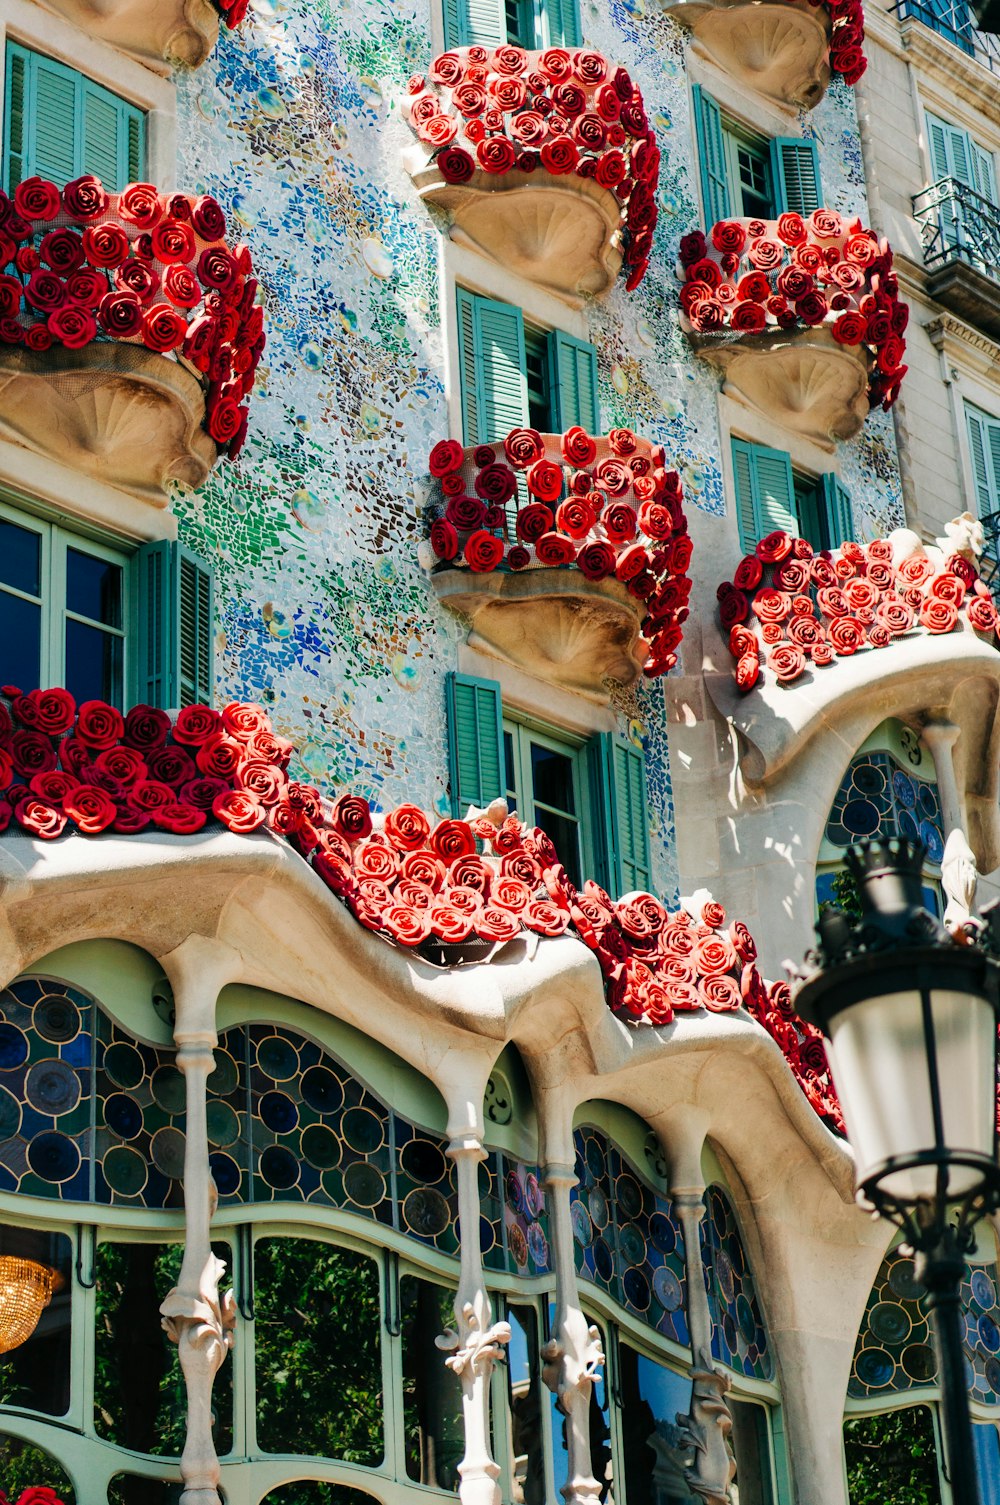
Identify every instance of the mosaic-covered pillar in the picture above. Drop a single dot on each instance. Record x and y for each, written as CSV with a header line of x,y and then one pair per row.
x,y
476,1342
196,1316
573,1356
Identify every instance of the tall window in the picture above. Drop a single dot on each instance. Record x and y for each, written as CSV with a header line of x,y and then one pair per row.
x,y
58,124
534,24
983,432
588,794
954,154
105,623
515,375
771,496
745,175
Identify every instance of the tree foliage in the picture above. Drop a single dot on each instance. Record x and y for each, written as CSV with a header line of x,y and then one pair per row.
x,y
891,1459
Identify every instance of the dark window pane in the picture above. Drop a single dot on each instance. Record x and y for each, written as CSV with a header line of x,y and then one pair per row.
x,y
93,664
987,1444
526,1468
318,1335
22,1466
537,373
892,1459
652,1442
136,1489
510,773
94,588
566,835
20,558
752,1452
35,1369
552,778
20,642
432,1393
317,1492
139,1395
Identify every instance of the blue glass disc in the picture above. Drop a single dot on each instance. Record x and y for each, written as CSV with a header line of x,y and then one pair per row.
x,y
123,1116
278,1112
226,1174
13,1047
903,789
861,817
54,1157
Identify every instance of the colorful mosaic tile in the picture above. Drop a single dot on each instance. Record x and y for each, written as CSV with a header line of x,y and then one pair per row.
x,y
739,1335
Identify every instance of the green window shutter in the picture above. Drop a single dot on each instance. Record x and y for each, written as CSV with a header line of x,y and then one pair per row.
x,y
984,444
795,174
475,742
173,625
839,513
492,364
562,20
573,384
618,776
52,148
937,143
951,151
467,22
113,138
983,176
711,157
765,492
16,108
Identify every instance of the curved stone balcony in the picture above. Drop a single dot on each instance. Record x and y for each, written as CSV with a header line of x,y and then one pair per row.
x,y
801,317
162,35
567,555
130,333
542,161
785,50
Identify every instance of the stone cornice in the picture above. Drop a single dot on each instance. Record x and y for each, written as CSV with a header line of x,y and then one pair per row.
x,y
958,73
956,339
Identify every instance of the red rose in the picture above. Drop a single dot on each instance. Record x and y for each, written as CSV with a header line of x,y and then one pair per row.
x,y
98,724
239,810
982,614
496,483
447,455
948,587
812,309
938,615
37,198
771,605
39,818
123,765
91,810
748,317
407,828
444,539
197,724
787,661
748,573
483,551
178,818
181,287
545,480
850,328
846,636
509,60
208,218
620,522
577,447
575,517
454,164
495,154
140,205
54,710
775,547
560,155
74,327
523,446
825,224
53,786
596,560
554,549
452,839
791,229
351,817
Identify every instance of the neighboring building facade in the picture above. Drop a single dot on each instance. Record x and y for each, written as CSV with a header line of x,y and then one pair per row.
x,y
521,1189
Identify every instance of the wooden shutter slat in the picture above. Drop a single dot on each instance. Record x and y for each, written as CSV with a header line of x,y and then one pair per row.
x,y
173,626
711,157
503,383
475,741
573,383
16,108
52,129
562,19
775,489
747,519
795,171
839,512
195,630
979,450
618,777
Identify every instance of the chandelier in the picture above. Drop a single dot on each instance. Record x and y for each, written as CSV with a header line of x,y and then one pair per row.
x,y
25,1291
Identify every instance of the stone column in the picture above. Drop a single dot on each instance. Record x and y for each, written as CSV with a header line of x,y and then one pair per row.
x,y
940,738
476,1342
195,1316
573,1356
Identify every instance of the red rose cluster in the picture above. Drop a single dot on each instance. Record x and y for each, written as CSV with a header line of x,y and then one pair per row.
x,y
503,110
80,264
605,505
35,1494
795,606
802,1046
88,768
847,33
752,275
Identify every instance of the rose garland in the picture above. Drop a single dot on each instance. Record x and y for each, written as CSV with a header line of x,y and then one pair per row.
x,y
605,505
509,110
138,267
753,275
798,606
847,20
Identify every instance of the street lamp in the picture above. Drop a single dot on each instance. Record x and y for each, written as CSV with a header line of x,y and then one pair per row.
x,y
910,1019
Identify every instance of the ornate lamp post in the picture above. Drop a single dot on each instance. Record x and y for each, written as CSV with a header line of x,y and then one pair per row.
x,y
910,1018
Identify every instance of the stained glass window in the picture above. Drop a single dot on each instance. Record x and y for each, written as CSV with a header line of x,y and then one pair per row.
x,y
739,1337
879,798
626,1239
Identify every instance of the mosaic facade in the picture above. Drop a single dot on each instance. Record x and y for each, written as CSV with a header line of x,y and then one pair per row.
x,y
295,125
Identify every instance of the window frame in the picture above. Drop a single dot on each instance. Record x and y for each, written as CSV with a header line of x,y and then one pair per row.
x,y
55,614
736,134
525,730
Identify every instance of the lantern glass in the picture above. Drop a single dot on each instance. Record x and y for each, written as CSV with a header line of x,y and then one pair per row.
x,y
882,1064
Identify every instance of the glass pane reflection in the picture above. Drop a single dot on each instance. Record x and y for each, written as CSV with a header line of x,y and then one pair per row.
x,y
751,1447
36,1374
93,588
987,1443
20,558
892,1457
318,1337
432,1393
21,639
526,1466
93,663
655,1456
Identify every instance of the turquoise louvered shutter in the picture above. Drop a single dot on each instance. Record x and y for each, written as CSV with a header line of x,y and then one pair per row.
x,y
492,367
795,175
711,157
562,24
467,22
839,513
983,174
765,492
58,125
573,384
621,845
174,627
475,742
984,452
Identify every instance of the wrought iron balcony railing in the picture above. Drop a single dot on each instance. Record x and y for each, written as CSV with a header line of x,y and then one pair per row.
x,y
954,21
989,562
958,224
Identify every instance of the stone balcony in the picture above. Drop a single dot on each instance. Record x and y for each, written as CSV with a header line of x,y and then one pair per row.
x,y
960,233
549,171
160,35
566,555
801,317
129,333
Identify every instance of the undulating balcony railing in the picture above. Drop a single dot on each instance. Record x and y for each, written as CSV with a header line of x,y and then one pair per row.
x,y
958,224
954,21
989,563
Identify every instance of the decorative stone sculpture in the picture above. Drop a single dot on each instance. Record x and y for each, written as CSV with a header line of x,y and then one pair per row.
x,y
706,1430
779,50
959,879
